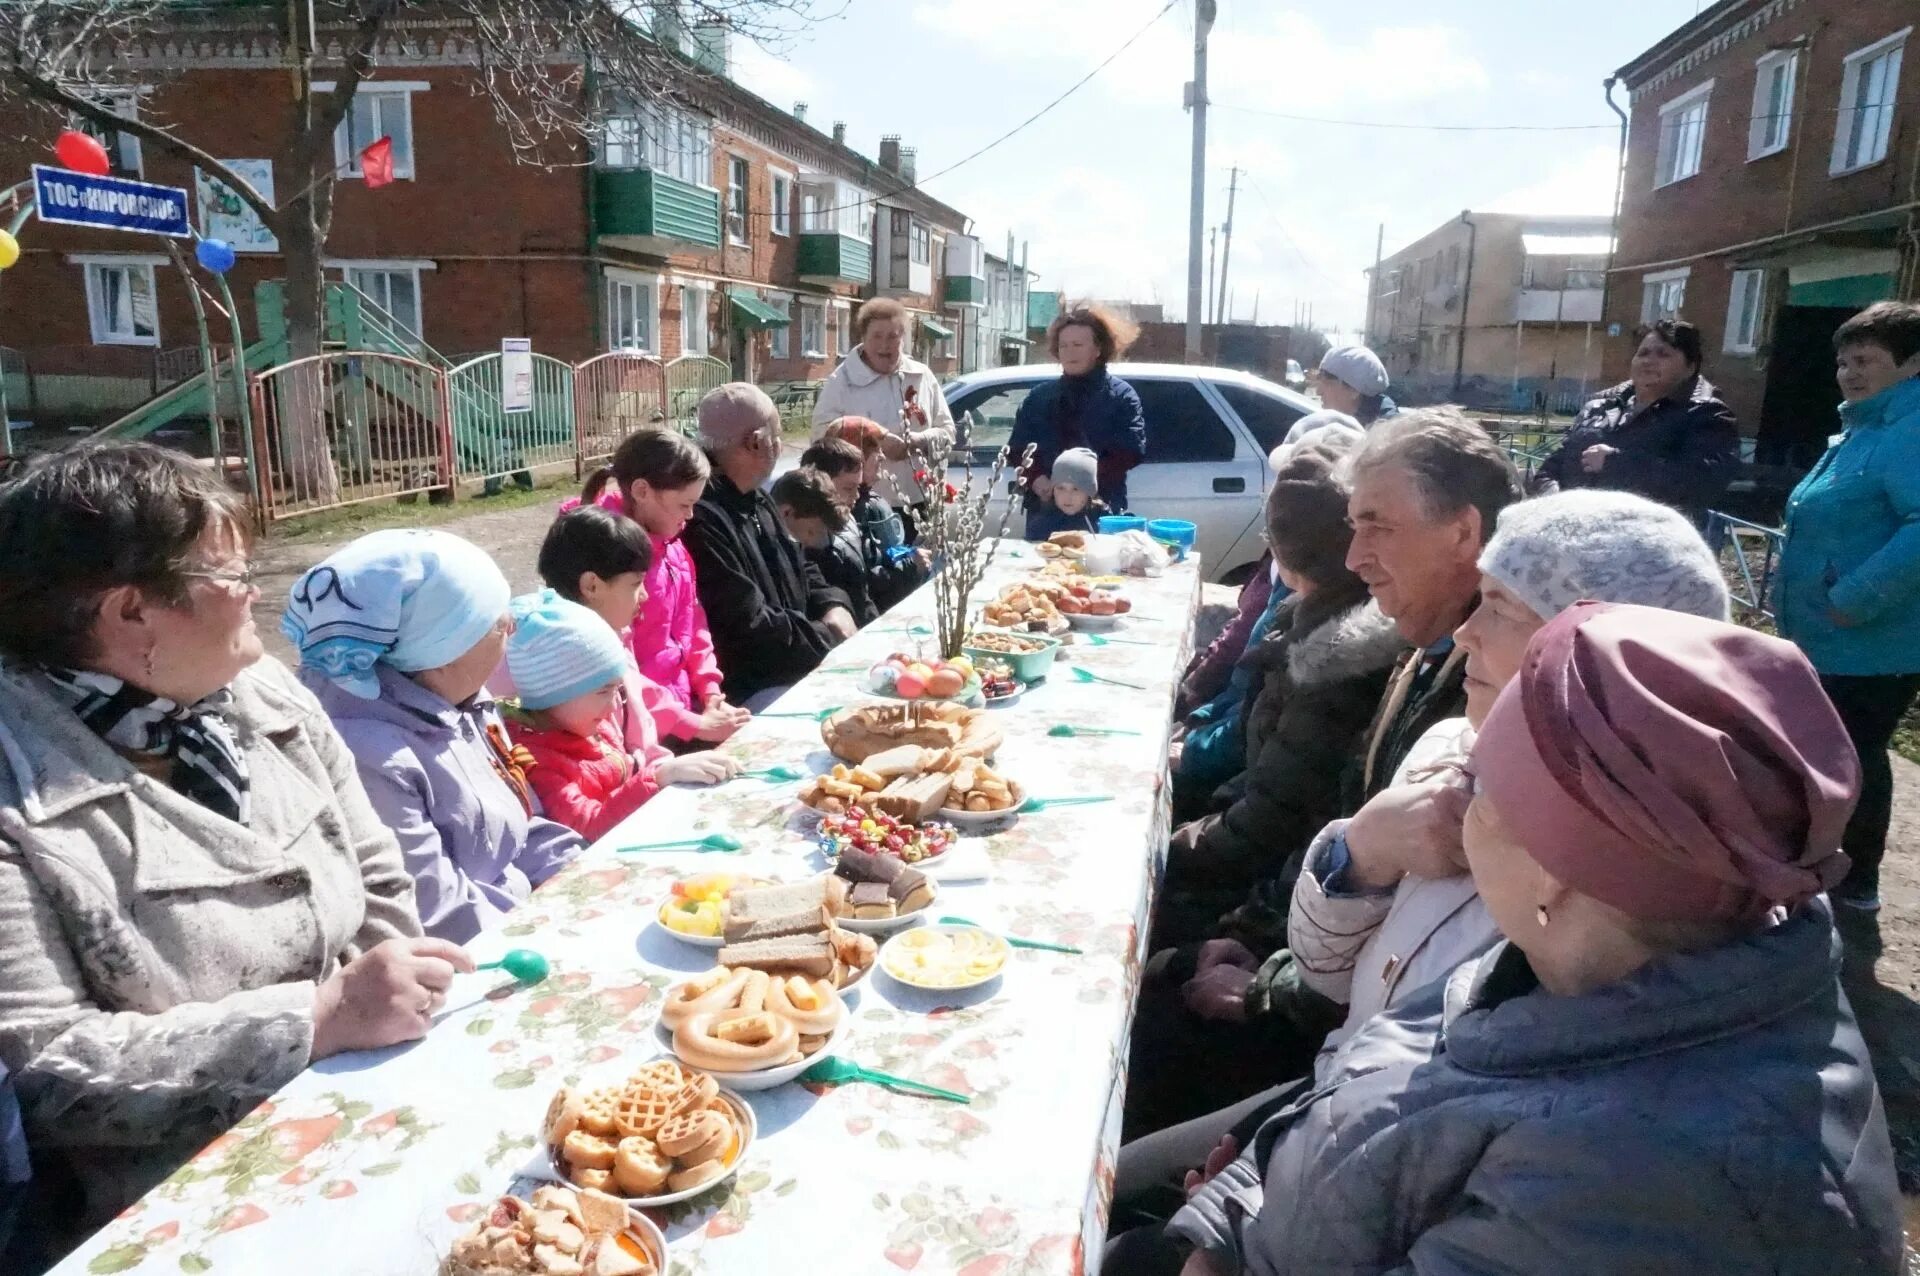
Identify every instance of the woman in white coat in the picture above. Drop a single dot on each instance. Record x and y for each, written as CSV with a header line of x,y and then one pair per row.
x,y
878,380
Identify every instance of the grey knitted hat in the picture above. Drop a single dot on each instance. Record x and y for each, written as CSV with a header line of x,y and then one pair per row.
x,y
1554,551
1078,467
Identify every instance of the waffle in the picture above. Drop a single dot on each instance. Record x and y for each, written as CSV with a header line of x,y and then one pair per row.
x,y
644,1105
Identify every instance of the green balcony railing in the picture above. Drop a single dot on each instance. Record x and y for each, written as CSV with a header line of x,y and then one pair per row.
x,y
965,290
645,204
833,257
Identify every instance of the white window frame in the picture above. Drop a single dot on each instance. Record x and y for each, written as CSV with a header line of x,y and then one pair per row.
x,y
1666,161
695,327
815,313
780,339
93,267
1746,311
1654,287
739,200
389,266
780,186
346,156
646,307
1845,160
1784,63
123,148
843,328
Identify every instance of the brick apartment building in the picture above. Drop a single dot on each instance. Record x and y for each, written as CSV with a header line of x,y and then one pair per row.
x,y
1772,189
1497,310
689,229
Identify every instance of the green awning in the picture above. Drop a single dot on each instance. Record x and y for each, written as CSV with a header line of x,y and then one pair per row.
x,y
933,329
752,313
1856,291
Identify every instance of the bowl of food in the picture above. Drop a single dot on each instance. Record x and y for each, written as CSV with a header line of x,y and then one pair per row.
x,y
998,685
751,1029
944,958
587,1230
695,910
981,798
1029,655
663,1134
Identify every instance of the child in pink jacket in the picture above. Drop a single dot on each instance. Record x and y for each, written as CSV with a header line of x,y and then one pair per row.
x,y
657,478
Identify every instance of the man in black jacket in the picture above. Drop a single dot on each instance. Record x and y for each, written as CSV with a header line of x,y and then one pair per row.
x,y
772,616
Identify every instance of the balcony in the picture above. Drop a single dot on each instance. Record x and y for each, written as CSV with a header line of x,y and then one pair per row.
x,y
829,257
965,290
649,212
1550,305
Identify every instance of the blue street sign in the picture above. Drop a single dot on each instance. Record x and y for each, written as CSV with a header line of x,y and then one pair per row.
x,y
110,203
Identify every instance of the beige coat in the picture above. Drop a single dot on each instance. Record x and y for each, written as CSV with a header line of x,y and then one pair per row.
x,y
158,961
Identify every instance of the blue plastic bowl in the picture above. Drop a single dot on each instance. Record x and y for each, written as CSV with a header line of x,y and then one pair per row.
x,y
1114,524
1174,531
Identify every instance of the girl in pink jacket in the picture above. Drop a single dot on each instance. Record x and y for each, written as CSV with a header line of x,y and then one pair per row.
x,y
657,478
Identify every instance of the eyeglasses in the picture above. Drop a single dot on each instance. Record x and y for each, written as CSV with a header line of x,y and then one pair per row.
x,y
244,577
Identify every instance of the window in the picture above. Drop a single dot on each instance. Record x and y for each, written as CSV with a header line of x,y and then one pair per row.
x,y
813,330
1267,417
654,135
1663,295
993,408
1773,83
1181,426
630,310
1746,311
922,241
782,335
378,111
120,302
693,319
843,329
833,207
782,203
1586,277
395,289
1866,104
123,149
737,175
1683,134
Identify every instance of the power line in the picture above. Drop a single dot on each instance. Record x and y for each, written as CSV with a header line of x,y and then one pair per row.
x,y
1424,128
1286,234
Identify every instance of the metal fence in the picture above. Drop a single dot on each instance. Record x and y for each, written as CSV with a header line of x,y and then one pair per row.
x,y
1749,556
346,427
490,442
688,379
613,396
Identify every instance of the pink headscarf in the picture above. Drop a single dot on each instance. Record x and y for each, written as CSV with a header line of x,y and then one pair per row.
x,y
1676,768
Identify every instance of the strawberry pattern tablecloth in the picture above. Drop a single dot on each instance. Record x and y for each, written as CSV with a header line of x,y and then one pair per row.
x,y
372,1163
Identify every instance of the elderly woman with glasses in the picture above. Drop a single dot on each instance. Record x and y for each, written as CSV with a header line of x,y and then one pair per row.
x,y
196,899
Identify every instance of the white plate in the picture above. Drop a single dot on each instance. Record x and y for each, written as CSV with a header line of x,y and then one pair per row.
x,y
964,861
1019,689
978,821
768,1078
697,941
1006,954
1095,624
887,925
741,1109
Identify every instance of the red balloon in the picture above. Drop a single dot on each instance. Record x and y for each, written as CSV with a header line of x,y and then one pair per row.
x,y
82,153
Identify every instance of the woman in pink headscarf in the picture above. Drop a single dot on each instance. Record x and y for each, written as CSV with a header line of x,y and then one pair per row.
x,y
1657,1072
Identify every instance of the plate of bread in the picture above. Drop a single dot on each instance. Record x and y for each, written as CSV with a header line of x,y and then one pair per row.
x,y
854,735
794,928
914,785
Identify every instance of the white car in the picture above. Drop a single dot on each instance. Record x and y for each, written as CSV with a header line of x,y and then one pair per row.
x,y
1209,431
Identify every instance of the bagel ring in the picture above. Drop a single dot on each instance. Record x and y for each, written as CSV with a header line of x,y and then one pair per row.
x,y
751,1041
818,1022
705,993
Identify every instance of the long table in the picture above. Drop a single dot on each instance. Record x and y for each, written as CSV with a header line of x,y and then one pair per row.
x,y
373,1163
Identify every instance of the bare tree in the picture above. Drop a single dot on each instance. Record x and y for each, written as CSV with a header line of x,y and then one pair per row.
x,y
533,59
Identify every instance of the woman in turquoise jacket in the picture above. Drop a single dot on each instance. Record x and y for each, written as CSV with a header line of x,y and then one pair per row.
x,y
1850,570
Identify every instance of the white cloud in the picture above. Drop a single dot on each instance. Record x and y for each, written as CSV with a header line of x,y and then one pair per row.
x,y
1583,183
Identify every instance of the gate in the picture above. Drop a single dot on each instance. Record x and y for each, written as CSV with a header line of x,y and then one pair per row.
x,y
340,428
688,379
614,395
489,443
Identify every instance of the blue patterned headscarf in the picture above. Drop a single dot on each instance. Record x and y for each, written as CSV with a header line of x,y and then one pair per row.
x,y
411,598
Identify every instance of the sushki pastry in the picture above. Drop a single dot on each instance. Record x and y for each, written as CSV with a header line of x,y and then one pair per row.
x,y
561,1232
637,1139
738,1020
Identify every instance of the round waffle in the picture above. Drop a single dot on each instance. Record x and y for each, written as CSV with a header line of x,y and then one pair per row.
x,y
689,1135
700,1091
644,1105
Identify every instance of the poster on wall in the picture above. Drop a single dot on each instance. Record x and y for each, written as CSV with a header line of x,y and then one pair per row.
x,y
224,216
516,374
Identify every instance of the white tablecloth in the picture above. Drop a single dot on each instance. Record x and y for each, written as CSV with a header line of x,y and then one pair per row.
x,y
372,1163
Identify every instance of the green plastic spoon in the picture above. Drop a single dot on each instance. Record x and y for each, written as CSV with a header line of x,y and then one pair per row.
x,y
774,773
711,842
523,964
1033,804
1013,941
841,1071
1064,730
1084,675
818,715
1101,640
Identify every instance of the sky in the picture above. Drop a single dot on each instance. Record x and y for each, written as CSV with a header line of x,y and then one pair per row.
x,y
1099,187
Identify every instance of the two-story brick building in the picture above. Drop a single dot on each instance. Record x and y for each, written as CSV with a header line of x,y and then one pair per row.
x,y
699,221
1772,189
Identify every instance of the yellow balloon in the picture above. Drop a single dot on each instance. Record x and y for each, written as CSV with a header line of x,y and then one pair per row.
x,y
9,250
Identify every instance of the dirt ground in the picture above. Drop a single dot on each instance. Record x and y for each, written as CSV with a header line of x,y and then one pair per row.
x,y
1882,972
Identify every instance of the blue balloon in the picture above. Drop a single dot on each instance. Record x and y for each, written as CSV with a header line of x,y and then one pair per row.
x,y
215,254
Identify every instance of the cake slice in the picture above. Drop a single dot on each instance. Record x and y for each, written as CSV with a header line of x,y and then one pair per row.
x,y
872,899
911,890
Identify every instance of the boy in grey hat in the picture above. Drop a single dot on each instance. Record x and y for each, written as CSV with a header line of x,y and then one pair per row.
x,y
1074,504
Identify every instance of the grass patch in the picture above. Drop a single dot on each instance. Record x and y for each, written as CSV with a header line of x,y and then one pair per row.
x,y
1906,737
357,520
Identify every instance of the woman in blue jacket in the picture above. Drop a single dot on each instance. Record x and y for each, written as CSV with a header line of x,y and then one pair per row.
x,y
1850,569
1087,407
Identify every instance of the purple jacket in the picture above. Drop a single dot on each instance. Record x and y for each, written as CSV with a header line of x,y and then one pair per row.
x,y
1207,674
471,847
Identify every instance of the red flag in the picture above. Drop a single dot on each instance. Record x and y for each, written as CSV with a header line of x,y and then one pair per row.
x,y
376,163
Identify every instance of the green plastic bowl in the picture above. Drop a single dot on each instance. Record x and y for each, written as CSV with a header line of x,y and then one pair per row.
x,y
1027,666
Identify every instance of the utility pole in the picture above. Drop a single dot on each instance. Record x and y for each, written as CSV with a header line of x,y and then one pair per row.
x,y
1226,249
1213,242
1373,285
1204,11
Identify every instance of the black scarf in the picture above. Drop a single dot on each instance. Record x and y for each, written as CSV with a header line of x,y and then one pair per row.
x,y
208,766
